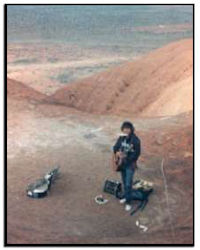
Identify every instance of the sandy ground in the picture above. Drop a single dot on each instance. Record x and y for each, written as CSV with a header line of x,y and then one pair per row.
x,y
41,136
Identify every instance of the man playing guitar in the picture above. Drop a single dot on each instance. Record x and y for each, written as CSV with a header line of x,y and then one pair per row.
x,y
126,152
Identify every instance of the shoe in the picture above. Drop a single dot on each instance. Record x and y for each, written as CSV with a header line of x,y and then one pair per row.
x,y
122,201
128,207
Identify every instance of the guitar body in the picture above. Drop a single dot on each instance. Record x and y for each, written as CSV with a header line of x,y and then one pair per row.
x,y
117,163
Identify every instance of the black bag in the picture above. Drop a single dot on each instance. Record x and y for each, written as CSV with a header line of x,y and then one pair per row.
x,y
113,187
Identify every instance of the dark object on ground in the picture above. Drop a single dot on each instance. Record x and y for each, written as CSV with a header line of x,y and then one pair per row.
x,y
40,188
113,187
140,192
142,196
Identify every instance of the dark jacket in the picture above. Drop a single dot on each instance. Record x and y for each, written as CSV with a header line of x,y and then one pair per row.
x,y
131,145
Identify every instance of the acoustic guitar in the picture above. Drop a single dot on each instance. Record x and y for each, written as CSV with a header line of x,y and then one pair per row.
x,y
117,162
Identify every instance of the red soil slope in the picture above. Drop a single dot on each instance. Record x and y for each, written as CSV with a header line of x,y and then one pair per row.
x,y
18,90
159,83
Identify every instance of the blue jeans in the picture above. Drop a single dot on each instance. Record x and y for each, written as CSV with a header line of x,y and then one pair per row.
x,y
127,178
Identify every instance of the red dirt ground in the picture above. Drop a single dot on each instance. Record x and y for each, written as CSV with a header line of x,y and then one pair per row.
x,y
43,134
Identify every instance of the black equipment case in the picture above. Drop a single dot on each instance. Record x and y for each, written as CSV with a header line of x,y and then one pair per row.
x,y
113,187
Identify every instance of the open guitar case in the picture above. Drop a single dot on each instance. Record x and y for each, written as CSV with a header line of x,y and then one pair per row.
x,y
41,187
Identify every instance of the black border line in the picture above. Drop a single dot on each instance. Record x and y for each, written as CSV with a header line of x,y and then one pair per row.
x,y
5,140
193,122
5,124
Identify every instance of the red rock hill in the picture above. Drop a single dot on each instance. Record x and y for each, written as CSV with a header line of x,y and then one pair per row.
x,y
159,83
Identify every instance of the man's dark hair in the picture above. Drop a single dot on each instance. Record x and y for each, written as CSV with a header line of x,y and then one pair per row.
x,y
128,124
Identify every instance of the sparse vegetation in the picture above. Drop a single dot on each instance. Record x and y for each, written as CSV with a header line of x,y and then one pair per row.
x,y
65,77
52,60
108,106
25,61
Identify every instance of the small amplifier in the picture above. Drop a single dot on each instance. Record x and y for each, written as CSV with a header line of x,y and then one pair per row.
x,y
113,187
